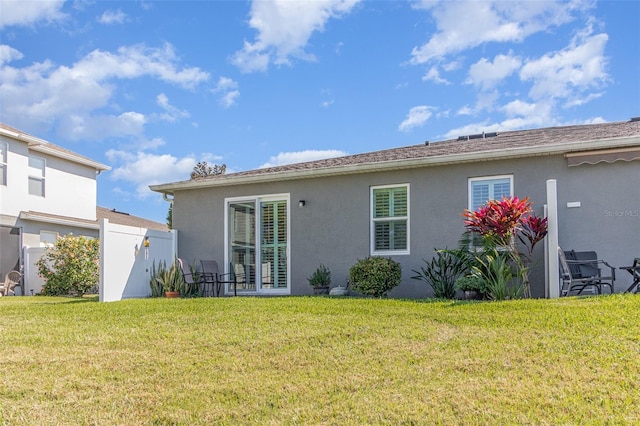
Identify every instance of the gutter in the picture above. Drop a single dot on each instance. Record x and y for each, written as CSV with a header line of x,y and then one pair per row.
x,y
58,220
507,153
41,145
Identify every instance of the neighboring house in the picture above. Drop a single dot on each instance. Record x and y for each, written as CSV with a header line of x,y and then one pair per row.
x,y
405,202
47,191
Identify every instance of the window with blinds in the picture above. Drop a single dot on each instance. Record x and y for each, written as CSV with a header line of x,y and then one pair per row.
x,y
390,219
484,189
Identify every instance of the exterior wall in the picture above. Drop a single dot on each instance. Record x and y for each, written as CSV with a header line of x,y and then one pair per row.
x,y
608,219
333,227
70,188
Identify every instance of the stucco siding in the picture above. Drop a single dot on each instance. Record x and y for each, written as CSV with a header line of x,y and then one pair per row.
x,y
333,226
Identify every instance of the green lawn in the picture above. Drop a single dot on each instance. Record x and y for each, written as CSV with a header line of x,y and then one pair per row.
x,y
306,360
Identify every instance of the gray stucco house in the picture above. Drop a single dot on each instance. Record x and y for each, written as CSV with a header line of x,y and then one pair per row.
x,y
280,223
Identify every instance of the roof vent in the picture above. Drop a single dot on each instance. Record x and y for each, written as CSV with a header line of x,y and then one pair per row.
x,y
634,119
482,135
426,143
119,212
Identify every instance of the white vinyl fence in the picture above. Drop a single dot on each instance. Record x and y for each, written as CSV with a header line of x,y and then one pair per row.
x,y
125,262
33,282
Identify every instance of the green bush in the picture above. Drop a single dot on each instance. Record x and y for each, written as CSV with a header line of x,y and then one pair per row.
x,y
442,271
471,283
375,276
70,266
492,266
321,277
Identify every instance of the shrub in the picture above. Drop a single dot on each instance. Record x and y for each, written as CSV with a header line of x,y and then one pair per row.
x,y
492,266
442,271
375,276
321,277
471,283
71,266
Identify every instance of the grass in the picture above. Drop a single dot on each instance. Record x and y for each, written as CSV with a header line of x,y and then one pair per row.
x,y
319,360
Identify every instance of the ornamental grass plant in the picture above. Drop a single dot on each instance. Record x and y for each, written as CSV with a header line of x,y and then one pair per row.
x,y
306,360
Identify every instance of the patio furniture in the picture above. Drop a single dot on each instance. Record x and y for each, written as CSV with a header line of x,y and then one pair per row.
x,y
11,280
580,270
192,279
634,270
214,278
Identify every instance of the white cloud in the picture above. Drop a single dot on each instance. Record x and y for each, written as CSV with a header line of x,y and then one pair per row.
x,y
144,169
497,21
171,114
228,90
487,75
570,72
45,93
301,157
416,117
284,28
520,115
111,17
25,13
97,127
434,75
8,54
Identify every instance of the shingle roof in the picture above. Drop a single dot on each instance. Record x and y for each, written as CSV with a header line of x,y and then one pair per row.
x,y
503,144
121,218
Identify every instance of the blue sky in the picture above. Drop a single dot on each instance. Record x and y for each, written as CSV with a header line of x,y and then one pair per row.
x,y
152,87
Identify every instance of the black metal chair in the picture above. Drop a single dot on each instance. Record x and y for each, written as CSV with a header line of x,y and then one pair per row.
x,y
213,276
582,269
192,278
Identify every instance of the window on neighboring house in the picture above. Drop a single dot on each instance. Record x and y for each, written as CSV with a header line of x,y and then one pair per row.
x,y
48,238
36,176
483,189
4,150
390,219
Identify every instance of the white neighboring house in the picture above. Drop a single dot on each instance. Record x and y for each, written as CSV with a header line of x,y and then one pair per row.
x,y
47,191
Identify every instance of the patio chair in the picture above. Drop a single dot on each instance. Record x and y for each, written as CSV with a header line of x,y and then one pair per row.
x,y
191,278
11,280
580,270
212,276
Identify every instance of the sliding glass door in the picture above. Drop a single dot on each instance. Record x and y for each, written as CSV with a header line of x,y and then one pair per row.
x,y
258,243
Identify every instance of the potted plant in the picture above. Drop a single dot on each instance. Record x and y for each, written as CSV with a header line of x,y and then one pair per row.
x,y
320,280
472,286
166,278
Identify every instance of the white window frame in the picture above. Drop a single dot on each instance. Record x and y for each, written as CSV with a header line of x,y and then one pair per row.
x,y
35,176
4,154
373,220
258,199
485,179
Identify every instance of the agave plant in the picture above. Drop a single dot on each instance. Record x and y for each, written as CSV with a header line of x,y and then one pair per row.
x,y
165,278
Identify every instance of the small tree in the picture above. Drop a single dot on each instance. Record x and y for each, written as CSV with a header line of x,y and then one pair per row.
x,y
170,216
72,265
202,170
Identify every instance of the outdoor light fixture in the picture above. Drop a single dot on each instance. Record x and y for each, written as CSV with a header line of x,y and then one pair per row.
x,y
301,203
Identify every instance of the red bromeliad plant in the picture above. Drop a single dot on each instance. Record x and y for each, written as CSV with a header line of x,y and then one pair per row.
x,y
500,221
